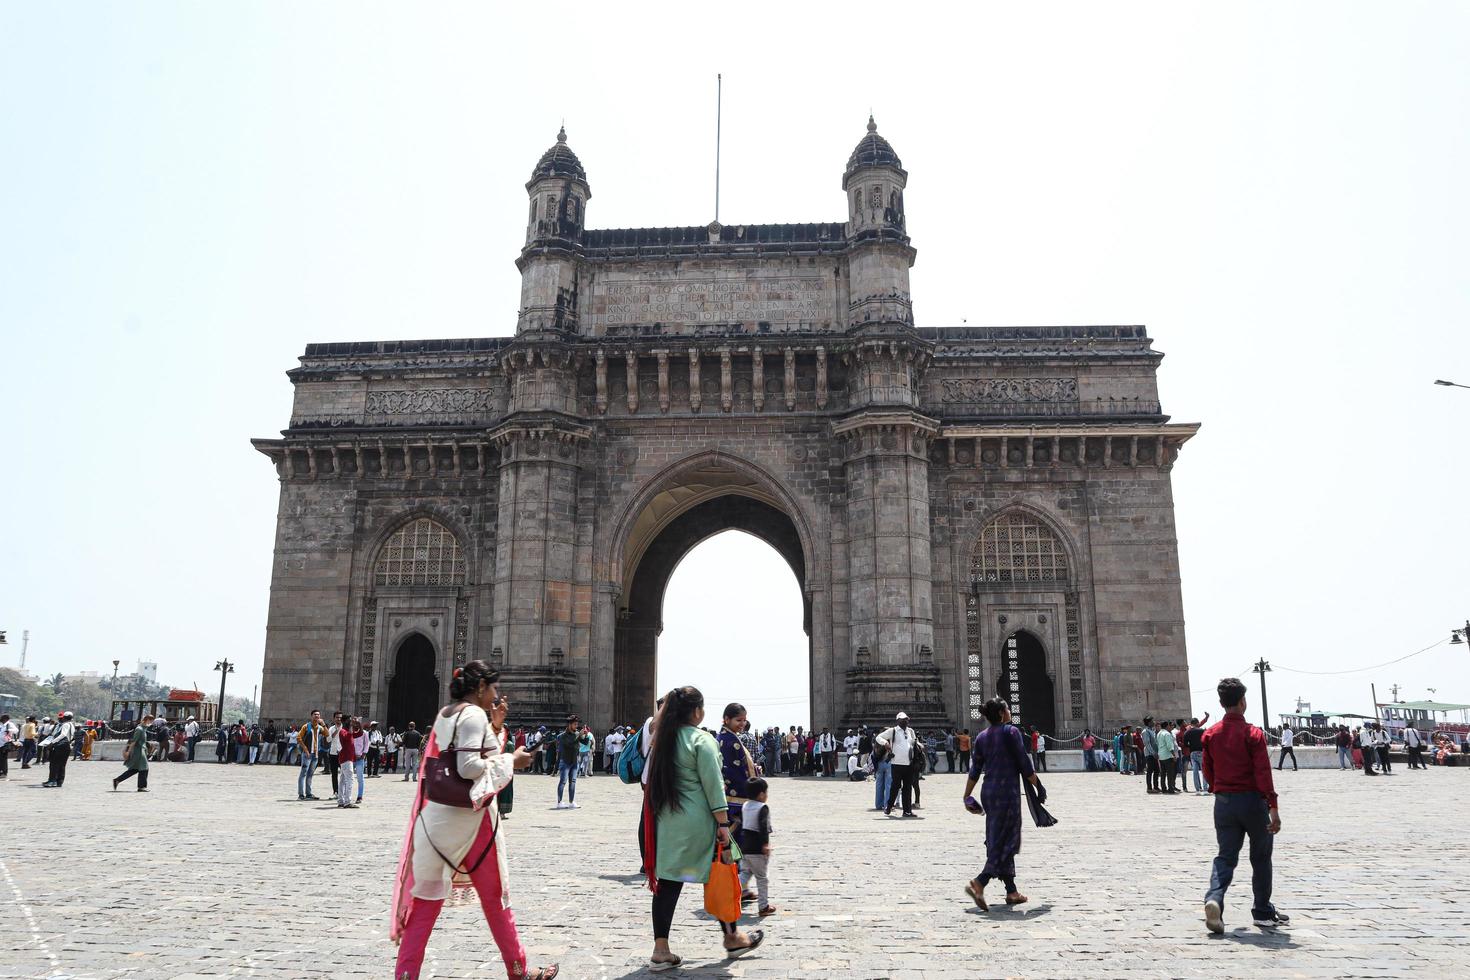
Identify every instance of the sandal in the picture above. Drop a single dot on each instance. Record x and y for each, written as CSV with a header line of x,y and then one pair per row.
x,y
659,966
756,937
978,894
1017,899
545,972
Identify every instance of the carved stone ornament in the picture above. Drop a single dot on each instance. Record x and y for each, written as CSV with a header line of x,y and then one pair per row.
x,y
428,401
1008,389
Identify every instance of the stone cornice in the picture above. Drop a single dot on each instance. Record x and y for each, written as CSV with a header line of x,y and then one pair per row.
x,y
1101,446
886,421
364,455
540,427
1178,431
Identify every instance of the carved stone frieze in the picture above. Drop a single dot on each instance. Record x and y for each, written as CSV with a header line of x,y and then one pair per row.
x,y
1007,389
429,401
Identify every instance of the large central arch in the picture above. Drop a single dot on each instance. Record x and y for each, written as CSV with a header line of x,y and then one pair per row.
x,y
686,505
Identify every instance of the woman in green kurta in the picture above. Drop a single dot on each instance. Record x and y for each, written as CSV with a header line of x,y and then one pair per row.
x,y
136,756
686,795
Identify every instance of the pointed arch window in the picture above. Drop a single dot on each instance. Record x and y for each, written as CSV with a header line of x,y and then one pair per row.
x,y
1017,547
421,552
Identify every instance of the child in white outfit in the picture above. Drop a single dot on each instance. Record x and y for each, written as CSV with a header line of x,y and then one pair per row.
x,y
755,842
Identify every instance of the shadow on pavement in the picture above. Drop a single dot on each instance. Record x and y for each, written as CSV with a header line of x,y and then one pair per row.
x,y
1265,938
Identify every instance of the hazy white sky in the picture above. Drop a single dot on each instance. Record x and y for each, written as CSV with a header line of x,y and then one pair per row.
x,y
192,192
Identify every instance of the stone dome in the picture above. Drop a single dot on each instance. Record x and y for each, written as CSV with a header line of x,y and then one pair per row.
x,y
873,151
560,161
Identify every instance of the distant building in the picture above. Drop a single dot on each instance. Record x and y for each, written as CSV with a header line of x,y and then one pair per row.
x,y
148,671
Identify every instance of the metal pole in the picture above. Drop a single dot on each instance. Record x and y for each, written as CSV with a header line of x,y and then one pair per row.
x,y
224,667
25,641
1374,688
1261,668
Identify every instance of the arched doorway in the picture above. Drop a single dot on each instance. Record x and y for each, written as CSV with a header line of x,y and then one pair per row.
x,y
1024,682
732,626
413,691
640,621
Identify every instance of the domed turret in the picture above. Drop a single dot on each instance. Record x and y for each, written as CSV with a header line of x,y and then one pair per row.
x,y
560,161
880,254
559,194
874,182
873,151
549,262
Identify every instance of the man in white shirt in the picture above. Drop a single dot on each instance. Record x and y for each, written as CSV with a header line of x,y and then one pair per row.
x,y
902,742
827,746
1382,744
9,739
375,751
612,746
59,743
850,745
191,735
1414,743
1288,737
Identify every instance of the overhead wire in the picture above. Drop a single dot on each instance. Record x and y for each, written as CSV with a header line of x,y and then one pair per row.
x,y
1359,670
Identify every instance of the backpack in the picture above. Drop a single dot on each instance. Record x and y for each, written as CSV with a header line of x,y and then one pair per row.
x,y
630,760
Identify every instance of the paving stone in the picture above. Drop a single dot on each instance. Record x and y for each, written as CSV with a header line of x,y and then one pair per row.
x,y
218,872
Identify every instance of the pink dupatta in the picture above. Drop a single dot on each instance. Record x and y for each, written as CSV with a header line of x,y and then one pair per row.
x,y
403,881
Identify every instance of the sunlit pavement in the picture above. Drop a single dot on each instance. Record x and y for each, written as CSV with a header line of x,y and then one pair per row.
x,y
219,871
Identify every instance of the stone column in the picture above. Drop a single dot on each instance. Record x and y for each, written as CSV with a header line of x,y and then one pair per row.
x,y
887,471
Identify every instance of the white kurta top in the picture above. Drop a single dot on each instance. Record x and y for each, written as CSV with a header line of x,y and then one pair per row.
x,y
453,829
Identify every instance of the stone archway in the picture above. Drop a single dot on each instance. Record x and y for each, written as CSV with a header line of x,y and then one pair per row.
x,y
1025,682
640,620
413,690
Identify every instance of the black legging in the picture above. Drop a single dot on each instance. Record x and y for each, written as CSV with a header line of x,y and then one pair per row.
x,y
142,775
664,901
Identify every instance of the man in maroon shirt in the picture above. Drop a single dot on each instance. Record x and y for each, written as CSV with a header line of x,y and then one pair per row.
x,y
1238,770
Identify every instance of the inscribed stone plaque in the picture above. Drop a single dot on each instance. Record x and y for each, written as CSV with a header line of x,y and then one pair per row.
x,y
694,297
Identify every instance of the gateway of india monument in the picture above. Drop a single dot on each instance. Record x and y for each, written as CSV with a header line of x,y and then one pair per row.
x,y
967,510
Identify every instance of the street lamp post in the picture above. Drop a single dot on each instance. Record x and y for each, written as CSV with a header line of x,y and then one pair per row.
x,y
225,669
1461,635
1262,667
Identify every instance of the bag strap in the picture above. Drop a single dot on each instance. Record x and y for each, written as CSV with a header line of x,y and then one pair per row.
x,y
478,861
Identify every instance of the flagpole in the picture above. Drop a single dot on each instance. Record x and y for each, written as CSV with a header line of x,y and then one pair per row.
x,y
719,99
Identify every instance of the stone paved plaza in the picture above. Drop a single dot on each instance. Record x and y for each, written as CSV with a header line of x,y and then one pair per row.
x,y
219,872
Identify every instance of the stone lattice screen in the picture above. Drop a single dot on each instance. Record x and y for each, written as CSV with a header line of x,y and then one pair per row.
x,y
1018,548
421,552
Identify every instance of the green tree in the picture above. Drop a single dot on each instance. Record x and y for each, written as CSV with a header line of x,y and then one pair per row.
x,y
57,681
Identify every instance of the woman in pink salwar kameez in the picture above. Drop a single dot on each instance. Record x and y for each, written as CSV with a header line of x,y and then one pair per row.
x,y
448,846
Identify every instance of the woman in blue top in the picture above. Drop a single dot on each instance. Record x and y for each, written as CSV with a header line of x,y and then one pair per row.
x,y
1001,756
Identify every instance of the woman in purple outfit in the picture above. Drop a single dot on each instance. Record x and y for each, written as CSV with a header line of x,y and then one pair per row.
x,y
999,753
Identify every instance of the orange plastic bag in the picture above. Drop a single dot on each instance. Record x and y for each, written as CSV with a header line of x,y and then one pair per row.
x,y
722,891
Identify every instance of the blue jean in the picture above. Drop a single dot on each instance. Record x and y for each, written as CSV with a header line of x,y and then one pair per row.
x,y
1344,757
1197,766
359,766
566,773
883,782
303,779
1238,816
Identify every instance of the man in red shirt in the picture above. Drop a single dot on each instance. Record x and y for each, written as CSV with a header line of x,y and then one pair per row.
x,y
1238,771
